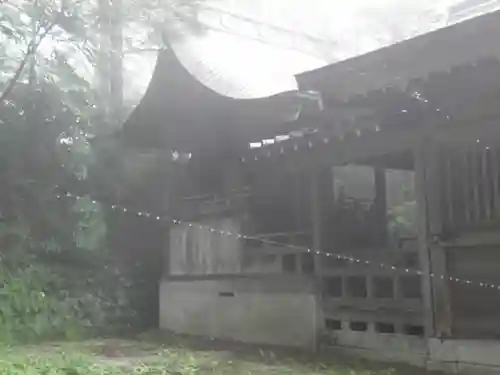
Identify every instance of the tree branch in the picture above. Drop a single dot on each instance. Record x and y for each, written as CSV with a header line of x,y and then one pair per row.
x,y
135,50
31,50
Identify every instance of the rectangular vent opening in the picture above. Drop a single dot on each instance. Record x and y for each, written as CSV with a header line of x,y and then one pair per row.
x,y
333,324
226,294
359,326
385,328
414,330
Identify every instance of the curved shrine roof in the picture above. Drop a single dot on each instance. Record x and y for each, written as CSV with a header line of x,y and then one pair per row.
x,y
180,112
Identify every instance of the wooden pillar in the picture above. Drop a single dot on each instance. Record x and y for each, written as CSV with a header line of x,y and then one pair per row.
x,y
495,167
437,311
380,216
297,200
321,203
316,217
327,207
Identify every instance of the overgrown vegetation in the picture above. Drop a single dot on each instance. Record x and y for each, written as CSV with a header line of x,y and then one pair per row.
x,y
133,357
62,272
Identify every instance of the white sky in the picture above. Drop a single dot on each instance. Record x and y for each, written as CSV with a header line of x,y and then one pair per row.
x,y
250,68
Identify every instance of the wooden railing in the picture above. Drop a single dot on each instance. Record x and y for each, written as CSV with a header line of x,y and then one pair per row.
x,y
372,299
470,187
357,296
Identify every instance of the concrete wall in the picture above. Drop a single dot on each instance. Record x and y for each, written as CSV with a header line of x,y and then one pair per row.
x,y
467,357
476,357
251,310
381,347
284,310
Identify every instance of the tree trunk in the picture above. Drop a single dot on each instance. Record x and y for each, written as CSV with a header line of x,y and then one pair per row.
x,y
103,61
116,62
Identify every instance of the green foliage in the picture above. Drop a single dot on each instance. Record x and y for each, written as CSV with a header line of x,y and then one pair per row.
x,y
58,276
28,312
58,279
48,291
402,220
90,230
114,357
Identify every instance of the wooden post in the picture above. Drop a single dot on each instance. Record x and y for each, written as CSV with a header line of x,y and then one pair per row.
x,y
321,197
450,189
486,189
321,203
432,257
380,206
496,181
297,199
316,218
467,189
475,174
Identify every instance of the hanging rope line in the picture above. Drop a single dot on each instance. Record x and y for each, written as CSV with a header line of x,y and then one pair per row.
x,y
307,250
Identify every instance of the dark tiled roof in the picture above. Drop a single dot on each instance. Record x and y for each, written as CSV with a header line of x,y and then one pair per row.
x,y
398,64
180,112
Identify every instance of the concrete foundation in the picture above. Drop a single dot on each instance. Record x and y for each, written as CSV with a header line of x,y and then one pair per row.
x,y
468,357
255,310
465,356
215,289
383,347
242,309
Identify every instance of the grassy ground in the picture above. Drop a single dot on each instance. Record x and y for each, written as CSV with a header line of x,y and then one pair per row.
x,y
120,357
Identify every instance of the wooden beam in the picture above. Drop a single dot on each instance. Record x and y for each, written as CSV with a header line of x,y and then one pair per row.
x,y
368,145
316,211
450,188
423,237
475,180
432,257
321,202
380,205
495,154
317,204
440,288
298,197
486,188
466,188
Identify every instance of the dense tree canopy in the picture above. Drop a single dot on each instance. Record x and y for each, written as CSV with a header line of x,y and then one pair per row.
x,y
60,87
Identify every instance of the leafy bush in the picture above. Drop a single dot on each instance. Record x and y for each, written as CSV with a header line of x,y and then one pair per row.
x,y
402,219
57,277
48,291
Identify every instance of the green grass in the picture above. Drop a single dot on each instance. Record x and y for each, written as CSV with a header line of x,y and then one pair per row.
x,y
114,357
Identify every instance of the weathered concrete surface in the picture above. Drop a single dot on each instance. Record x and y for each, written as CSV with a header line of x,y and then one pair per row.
x,y
240,310
383,347
465,356
468,357
258,310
